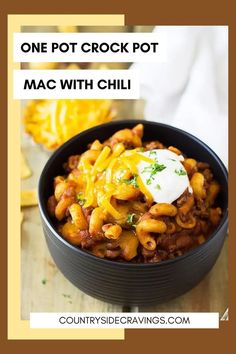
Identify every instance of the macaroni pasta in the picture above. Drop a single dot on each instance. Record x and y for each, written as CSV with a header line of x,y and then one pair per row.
x,y
102,205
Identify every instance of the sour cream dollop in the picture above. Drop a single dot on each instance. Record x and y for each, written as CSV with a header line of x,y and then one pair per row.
x,y
165,178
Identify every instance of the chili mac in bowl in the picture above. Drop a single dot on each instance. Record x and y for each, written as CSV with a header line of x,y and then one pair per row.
x,y
134,212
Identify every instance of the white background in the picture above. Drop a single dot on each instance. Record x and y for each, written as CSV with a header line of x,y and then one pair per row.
x,y
21,75
197,320
80,56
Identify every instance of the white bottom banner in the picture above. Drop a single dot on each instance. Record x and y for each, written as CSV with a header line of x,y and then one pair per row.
x,y
125,320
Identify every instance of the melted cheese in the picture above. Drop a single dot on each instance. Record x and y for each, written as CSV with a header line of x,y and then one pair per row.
x,y
159,175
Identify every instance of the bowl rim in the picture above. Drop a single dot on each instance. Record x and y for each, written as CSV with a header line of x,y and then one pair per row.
x,y
47,220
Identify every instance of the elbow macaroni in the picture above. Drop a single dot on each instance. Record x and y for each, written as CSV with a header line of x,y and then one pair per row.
x,y
101,204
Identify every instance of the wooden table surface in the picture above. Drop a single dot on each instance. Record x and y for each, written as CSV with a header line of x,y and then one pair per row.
x,y
45,289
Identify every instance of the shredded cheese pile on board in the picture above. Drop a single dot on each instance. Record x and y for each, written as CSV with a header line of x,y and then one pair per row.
x,y
53,122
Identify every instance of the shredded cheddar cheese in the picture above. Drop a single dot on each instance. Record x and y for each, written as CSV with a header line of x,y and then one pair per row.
x,y
53,122
102,157
112,169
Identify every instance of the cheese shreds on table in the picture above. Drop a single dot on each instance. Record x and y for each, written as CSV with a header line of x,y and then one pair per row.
x,y
25,170
42,66
67,29
29,198
53,122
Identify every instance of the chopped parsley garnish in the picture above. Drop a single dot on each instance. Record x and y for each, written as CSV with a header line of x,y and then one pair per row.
x,y
80,198
133,181
44,281
67,296
152,152
158,187
180,172
153,169
172,160
142,149
130,219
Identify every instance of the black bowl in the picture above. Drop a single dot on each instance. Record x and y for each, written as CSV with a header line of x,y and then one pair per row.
x,y
126,283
